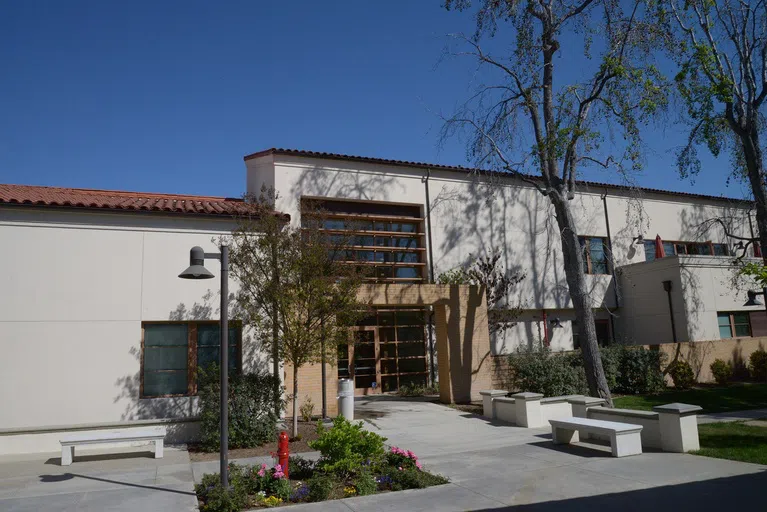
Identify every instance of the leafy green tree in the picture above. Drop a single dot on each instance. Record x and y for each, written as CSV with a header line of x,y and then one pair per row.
x,y
531,121
293,283
721,49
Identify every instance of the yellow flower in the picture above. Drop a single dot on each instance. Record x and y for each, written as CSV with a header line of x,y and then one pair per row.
x,y
350,491
272,501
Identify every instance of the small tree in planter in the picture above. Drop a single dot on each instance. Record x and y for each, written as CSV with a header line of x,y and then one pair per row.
x,y
297,290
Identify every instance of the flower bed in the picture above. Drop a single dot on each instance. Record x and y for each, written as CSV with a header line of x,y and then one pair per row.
x,y
353,462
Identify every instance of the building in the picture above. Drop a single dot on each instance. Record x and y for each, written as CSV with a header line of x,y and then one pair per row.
x,y
442,217
97,331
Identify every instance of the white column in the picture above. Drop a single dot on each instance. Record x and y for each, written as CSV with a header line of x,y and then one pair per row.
x,y
528,410
488,407
678,427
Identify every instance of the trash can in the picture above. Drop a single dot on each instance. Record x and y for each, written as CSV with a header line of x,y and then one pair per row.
x,y
346,398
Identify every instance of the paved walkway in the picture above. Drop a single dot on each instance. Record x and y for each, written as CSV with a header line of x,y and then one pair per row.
x,y
718,417
115,480
491,465
495,466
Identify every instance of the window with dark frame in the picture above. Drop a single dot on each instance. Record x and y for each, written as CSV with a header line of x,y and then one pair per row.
x,y
595,255
674,248
170,349
602,327
389,239
734,324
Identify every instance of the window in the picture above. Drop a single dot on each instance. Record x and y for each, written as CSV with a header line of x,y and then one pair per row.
x,y
386,239
733,325
170,349
677,248
595,258
603,333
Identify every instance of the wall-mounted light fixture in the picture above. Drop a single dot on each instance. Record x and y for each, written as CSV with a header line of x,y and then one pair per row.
x,y
638,240
739,246
556,323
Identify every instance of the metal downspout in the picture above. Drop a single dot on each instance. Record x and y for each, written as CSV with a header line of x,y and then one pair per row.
x,y
612,266
431,276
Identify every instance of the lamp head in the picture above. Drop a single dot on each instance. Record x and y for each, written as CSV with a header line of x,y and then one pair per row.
x,y
752,301
196,268
555,323
639,239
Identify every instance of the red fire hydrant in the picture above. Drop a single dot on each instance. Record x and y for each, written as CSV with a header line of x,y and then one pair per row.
x,y
283,452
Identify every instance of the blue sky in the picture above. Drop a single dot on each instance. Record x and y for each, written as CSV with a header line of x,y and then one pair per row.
x,y
169,96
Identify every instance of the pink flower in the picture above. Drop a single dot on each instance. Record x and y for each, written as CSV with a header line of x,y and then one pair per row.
x,y
400,468
264,466
261,472
411,455
418,465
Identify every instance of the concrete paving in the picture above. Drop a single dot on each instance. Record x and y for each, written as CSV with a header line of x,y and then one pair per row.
x,y
128,479
491,466
496,466
718,417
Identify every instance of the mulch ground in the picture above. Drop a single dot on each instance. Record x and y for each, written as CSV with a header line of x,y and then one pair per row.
x,y
306,431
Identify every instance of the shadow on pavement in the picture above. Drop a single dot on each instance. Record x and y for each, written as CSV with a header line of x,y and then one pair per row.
x,y
56,461
70,476
741,492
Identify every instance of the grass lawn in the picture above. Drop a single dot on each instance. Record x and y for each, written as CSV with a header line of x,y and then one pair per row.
x,y
734,441
735,397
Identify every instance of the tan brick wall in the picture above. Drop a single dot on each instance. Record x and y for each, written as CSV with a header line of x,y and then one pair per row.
x,y
500,377
310,384
463,339
700,354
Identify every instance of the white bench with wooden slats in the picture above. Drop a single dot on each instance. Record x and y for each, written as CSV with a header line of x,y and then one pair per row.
x,y
157,435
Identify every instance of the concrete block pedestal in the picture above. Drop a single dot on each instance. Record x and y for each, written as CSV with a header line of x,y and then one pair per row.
x,y
678,427
488,408
528,410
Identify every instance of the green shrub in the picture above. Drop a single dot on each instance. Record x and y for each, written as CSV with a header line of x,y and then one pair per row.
x,y
365,483
758,365
214,498
282,489
411,479
321,487
721,371
409,389
638,371
307,409
346,447
300,468
682,374
628,370
252,418
541,371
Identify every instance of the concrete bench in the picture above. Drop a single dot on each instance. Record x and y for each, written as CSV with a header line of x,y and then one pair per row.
x,y
127,436
625,439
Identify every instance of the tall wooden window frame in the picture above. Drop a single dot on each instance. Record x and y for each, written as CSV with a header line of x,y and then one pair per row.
x,y
382,356
191,361
353,226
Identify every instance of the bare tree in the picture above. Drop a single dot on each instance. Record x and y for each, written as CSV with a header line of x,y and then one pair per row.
x,y
488,271
722,55
296,291
522,124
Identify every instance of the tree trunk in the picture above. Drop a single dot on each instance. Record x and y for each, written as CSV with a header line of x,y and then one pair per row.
x,y
276,362
753,154
295,401
576,283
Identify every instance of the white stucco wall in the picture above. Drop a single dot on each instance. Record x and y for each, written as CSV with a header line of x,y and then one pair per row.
x,y
472,215
74,291
701,287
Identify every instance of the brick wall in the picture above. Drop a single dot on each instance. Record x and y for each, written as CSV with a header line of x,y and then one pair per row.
x,y
310,384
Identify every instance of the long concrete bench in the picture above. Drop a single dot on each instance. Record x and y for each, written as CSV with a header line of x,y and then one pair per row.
x,y
625,439
127,436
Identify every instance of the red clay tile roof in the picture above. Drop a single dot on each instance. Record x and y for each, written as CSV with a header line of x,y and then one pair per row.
x,y
126,201
458,168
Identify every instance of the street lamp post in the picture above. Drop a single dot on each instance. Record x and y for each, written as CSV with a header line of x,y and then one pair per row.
x,y
197,270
